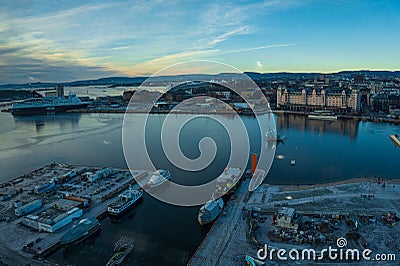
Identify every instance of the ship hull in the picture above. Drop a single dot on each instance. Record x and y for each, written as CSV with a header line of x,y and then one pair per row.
x,y
203,222
81,238
395,139
46,109
323,117
122,213
159,184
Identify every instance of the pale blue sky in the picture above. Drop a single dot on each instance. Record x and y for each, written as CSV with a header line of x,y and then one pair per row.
x,y
70,40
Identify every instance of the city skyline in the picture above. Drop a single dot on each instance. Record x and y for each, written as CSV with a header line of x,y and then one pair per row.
x,y
62,41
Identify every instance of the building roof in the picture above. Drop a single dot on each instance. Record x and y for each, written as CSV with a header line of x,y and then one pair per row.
x,y
284,211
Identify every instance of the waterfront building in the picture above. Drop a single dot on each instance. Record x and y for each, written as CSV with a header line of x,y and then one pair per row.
x,y
28,208
52,219
338,100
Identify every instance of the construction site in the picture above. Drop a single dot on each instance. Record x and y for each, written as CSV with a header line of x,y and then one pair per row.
x,y
362,211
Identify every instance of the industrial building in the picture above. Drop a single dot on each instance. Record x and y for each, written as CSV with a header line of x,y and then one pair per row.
x,y
102,173
32,206
52,219
287,218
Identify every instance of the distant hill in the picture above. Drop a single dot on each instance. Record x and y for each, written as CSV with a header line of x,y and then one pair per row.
x,y
136,81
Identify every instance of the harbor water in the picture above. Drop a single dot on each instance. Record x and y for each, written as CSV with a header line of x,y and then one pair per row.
x,y
324,151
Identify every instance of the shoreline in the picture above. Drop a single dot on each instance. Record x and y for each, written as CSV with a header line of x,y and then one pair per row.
x,y
231,112
227,112
248,217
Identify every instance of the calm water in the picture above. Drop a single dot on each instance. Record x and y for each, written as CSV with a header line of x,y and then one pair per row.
x,y
165,234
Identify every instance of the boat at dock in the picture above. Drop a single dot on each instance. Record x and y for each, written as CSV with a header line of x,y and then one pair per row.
x,y
121,248
227,180
323,115
210,211
86,228
125,202
158,178
395,138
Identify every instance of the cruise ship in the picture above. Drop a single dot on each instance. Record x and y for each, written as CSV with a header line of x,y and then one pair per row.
x,y
51,103
158,178
125,202
85,229
209,211
45,105
323,115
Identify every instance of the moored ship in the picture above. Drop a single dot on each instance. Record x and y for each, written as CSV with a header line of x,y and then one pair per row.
x,y
158,178
323,115
48,104
125,202
209,211
86,228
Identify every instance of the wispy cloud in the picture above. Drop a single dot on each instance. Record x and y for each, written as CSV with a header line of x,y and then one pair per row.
x,y
260,48
119,37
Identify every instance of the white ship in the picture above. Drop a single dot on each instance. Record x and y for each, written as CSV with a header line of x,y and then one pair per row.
x,y
125,201
209,211
323,115
45,105
158,178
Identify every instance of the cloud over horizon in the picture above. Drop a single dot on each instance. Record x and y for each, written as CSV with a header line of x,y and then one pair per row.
x,y
70,40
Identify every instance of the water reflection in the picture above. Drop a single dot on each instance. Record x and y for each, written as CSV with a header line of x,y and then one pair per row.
x,y
41,121
341,127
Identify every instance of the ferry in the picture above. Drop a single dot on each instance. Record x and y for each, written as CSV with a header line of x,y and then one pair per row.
x,y
323,115
158,178
85,229
395,138
209,211
125,201
46,105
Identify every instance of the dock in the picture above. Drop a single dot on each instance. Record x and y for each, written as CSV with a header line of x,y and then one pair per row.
x,y
50,184
247,222
214,249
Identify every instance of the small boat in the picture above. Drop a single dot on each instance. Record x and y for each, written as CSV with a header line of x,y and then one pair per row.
x,y
121,248
85,229
293,162
395,138
125,202
158,178
209,211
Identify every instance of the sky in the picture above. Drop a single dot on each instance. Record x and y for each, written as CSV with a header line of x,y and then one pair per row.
x,y
57,41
